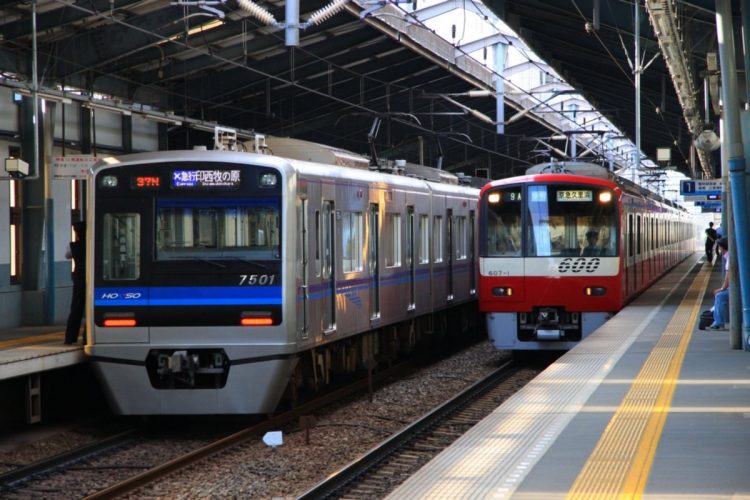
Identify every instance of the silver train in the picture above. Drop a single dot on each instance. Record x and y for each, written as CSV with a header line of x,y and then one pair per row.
x,y
222,282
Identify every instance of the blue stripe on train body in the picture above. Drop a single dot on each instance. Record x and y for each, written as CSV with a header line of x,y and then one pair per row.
x,y
187,296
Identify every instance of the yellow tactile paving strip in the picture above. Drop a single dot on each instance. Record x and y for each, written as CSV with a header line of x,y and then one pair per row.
x,y
494,458
30,340
620,464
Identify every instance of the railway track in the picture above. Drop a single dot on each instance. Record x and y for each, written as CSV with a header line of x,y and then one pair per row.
x,y
108,471
39,477
392,462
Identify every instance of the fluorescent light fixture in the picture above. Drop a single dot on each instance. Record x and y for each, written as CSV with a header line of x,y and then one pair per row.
x,y
162,119
46,96
106,107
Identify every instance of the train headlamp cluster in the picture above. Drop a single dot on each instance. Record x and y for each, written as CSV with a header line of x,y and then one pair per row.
x,y
109,181
595,291
268,180
493,198
502,291
605,197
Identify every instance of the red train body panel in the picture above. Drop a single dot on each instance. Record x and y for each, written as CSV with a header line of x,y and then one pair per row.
x,y
561,252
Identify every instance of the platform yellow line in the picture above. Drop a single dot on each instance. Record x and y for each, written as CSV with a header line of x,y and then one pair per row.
x,y
30,340
621,461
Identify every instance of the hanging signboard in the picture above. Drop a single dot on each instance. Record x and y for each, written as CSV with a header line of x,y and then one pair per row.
x,y
700,187
72,167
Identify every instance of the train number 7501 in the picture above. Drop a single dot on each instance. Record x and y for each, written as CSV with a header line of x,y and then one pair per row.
x,y
257,279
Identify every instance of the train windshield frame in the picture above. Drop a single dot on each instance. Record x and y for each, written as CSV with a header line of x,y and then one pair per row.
x,y
551,220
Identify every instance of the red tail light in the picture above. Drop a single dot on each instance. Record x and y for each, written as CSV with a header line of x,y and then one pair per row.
x,y
119,322
256,321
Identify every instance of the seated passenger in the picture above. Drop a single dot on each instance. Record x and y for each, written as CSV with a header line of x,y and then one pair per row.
x,y
591,249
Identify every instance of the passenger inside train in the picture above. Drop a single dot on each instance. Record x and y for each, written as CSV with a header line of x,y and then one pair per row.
x,y
592,248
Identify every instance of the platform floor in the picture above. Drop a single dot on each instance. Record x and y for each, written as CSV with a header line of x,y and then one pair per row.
x,y
648,406
34,349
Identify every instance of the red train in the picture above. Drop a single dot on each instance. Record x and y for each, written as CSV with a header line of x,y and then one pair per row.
x,y
565,247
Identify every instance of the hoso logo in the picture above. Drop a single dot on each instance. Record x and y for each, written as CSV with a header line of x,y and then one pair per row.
x,y
116,295
579,265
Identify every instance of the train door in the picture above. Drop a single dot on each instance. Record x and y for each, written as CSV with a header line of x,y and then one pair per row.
x,y
639,264
472,254
373,245
451,251
630,260
411,257
303,262
122,263
327,240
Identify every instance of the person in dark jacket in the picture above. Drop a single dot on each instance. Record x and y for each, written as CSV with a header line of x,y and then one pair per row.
x,y
711,237
77,252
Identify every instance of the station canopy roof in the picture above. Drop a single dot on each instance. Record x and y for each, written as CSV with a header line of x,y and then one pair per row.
x,y
366,69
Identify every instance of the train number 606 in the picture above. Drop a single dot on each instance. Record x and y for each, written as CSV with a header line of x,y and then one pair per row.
x,y
578,265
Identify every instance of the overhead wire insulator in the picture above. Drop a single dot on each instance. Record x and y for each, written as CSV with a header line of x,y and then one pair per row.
x,y
326,12
257,12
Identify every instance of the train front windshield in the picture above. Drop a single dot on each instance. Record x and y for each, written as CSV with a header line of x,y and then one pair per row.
x,y
554,220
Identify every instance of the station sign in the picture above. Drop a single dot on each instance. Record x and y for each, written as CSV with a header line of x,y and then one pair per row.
x,y
711,210
72,167
700,187
711,204
715,198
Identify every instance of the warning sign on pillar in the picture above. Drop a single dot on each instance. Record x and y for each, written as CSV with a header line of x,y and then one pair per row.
x,y
72,167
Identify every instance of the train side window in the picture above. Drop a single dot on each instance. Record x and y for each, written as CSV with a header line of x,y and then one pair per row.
x,y
352,229
392,241
638,235
424,239
437,238
121,246
460,238
317,243
631,238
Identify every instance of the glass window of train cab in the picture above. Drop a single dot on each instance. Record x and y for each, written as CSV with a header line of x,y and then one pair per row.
x,y
565,220
121,256
504,222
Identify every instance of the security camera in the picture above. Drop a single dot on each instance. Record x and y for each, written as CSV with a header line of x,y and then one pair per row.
x,y
16,168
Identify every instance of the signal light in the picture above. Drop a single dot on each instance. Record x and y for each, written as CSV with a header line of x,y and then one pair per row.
x,y
595,291
256,321
502,291
119,322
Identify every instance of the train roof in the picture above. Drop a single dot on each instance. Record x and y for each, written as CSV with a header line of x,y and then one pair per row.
x,y
394,176
581,172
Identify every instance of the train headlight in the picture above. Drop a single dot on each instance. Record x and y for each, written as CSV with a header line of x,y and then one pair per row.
x,y
502,291
595,291
493,198
605,197
108,181
268,180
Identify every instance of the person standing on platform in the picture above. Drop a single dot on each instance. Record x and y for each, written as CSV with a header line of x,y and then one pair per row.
x,y
77,252
711,238
721,295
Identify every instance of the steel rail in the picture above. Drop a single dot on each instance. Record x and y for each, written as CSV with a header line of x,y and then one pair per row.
x,y
227,442
334,486
47,464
